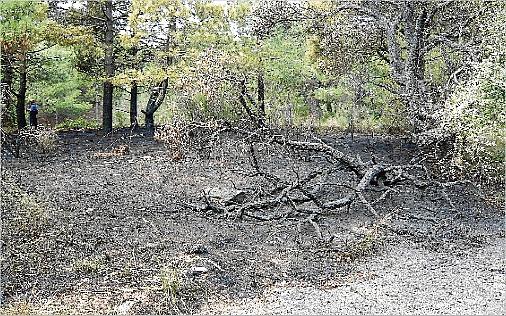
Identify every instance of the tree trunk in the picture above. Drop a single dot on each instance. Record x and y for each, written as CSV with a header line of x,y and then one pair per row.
x,y
155,100
97,104
314,104
244,104
328,107
6,86
314,107
21,96
133,105
415,92
158,93
149,119
107,107
261,99
133,92
408,70
109,68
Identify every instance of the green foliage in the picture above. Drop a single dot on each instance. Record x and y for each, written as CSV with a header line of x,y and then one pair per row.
x,y
22,24
385,109
121,119
476,110
301,110
78,123
285,60
476,114
33,41
282,56
90,265
327,69
332,94
376,109
171,281
59,86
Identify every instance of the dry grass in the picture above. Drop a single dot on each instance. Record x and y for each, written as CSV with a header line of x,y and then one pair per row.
x,y
89,265
41,140
174,136
18,308
118,151
21,214
23,221
367,244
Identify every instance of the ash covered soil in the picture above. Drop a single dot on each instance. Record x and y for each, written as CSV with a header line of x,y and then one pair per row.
x,y
125,233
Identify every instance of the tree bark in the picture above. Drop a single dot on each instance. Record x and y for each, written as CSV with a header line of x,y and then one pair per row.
x,y
261,99
133,93
133,105
328,107
314,104
158,93
7,79
155,100
109,68
418,100
21,96
408,70
244,104
149,119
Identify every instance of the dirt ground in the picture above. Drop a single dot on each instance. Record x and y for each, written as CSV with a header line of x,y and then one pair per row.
x,y
118,233
405,279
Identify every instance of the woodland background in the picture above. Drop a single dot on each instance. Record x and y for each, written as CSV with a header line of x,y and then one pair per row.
x,y
431,68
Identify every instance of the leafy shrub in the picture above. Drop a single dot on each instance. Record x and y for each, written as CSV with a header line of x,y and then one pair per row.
x,y
121,119
475,115
172,281
89,265
79,123
473,118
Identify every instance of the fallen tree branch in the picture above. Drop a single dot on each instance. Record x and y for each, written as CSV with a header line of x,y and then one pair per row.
x,y
282,193
353,164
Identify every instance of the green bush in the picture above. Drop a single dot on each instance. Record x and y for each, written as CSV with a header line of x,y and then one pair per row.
x,y
475,114
121,119
79,123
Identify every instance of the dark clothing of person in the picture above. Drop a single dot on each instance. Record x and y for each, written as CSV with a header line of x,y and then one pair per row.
x,y
34,109
33,118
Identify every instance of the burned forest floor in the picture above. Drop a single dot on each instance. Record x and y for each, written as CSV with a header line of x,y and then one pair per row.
x,y
126,224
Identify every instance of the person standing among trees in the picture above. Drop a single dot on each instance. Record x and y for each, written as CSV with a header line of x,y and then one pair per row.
x,y
33,108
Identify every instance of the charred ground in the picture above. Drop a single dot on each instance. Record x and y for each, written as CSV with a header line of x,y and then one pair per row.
x,y
119,223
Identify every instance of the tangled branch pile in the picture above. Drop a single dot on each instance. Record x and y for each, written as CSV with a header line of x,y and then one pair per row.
x,y
339,180
30,141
